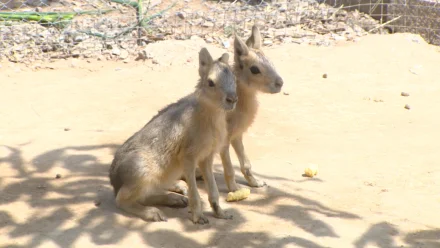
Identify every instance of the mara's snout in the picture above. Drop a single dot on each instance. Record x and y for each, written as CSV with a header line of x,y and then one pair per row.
x,y
277,85
231,101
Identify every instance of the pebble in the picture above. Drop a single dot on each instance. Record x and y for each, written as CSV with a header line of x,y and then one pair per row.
x,y
181,15
226,44
124,54
58,176
324,75
267,42
97,203
209,40
116,51
404,94
66,129
407,106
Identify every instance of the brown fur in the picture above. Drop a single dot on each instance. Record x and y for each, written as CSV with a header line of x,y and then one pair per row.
x,y
267,80
182,136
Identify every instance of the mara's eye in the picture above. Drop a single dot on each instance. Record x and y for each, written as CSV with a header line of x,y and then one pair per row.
x,y
211,83
255,70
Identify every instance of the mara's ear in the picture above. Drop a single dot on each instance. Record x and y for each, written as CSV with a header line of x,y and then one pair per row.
x,y
224,58
205,61
240,48
255,40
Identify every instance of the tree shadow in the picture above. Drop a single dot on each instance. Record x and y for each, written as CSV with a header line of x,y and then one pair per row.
x,y
425,238
56,216
383,234
380,234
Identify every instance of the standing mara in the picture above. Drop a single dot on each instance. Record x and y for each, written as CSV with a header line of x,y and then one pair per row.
x,y
255,73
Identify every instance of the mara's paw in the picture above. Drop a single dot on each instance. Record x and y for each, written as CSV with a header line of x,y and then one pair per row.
x,y
200,219
154,215
223,215
177,201
232,187
256,183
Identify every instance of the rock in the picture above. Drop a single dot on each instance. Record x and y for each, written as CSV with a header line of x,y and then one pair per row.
x,y
58,176
123,54
208,25
209,40
282,9
79,38
116,51
404,94
97,203
143,55
267,42
226,44
407,106
181,15
324,75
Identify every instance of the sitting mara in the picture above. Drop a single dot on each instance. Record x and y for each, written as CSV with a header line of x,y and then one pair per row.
x,y
182,136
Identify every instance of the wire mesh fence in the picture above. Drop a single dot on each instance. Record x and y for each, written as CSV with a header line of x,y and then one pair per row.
x,y
47,29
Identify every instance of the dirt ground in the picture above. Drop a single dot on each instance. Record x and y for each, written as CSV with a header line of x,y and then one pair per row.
x,y
379,176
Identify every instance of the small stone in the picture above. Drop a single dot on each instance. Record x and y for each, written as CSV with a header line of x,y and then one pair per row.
x,y
282,9
79,38
38,9
143,55
209,40
267,42
286,93
181,15
116,51
124,54
66,129
97,203
195,37
226,44
324,75
155,61
58,176
208,25
407,106
404,94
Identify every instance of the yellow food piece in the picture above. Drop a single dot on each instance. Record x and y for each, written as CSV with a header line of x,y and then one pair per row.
x,y
238,195
311,171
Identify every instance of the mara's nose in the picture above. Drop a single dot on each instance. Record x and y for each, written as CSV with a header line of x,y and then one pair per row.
x,y
279,82
232,98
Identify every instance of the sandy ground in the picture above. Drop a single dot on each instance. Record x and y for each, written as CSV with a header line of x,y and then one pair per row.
x,y
379,178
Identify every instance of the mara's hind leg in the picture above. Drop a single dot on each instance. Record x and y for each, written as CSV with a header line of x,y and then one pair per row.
x,y
211,186
245,164
179,187
127,200
169,199
199,175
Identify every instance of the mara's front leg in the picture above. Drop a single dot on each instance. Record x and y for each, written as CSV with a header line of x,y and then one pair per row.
x,y
228,169
211,187
245,164
195,205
